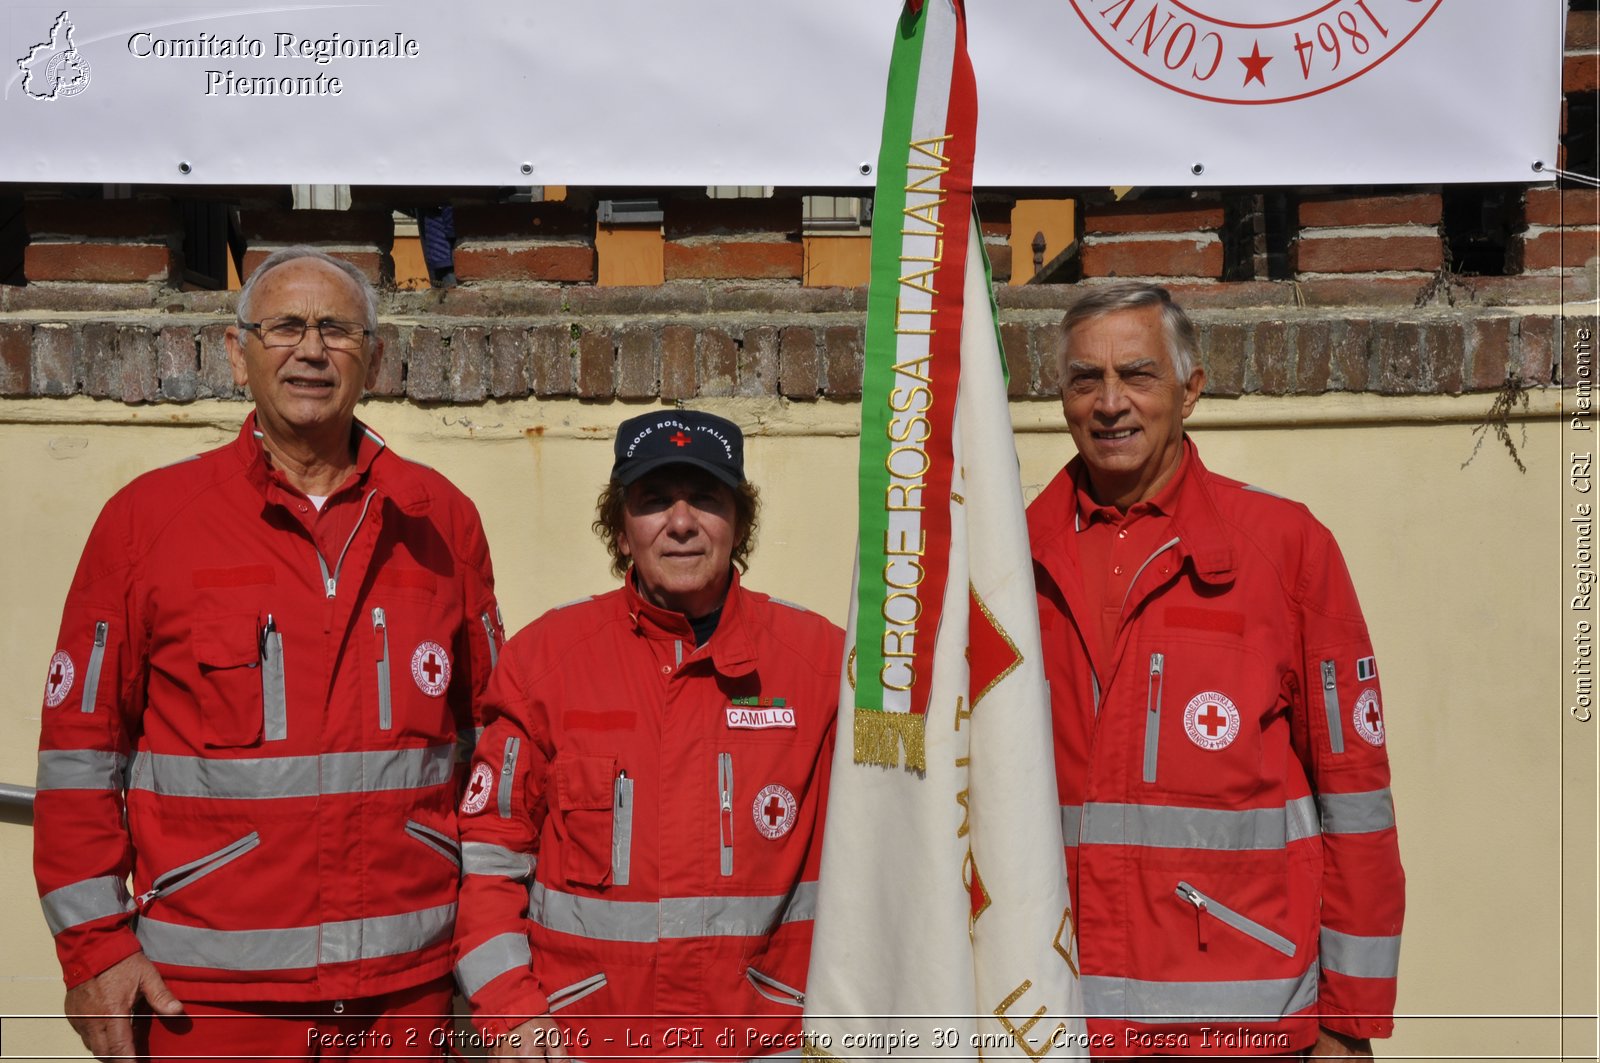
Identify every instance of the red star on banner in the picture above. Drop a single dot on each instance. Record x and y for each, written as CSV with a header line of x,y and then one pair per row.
x,y
991,655
1255,65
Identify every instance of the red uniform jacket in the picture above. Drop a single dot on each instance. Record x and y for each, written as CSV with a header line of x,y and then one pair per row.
x,y
666,802
1223,780
263,734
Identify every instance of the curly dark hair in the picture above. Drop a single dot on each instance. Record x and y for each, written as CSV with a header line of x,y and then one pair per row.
x,y
608,523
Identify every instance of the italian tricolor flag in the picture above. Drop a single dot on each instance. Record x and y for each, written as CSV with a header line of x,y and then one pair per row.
x,y
943,914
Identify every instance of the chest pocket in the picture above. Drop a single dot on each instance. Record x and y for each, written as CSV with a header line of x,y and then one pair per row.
x,y
412,666
243,700
1206,705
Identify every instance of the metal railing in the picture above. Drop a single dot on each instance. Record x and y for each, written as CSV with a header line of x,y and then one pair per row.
x,y
14,796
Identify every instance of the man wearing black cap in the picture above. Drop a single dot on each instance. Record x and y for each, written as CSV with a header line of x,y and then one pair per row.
x,y
642,828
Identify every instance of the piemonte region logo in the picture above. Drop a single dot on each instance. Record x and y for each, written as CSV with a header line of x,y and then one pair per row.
x,y
1233,51
55,69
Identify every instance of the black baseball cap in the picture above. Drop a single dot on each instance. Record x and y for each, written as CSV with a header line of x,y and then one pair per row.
x,y
679,437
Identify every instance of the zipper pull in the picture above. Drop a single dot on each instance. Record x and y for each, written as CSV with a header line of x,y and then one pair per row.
x,y
1328,678
266,633
331,585
1194,897
380,629
144,899
1158,662
100,630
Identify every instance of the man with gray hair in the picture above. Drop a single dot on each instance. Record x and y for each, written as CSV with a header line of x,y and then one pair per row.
x,y
267,658
1219,733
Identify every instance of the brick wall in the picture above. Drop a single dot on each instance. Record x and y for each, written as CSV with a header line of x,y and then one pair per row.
x,y
1363,290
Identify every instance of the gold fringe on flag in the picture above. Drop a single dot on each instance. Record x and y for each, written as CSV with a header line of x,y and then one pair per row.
x,y
880,737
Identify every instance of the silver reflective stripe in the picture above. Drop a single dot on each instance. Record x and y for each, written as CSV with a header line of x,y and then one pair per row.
x,y
508,774
1152,716
97,660
84,902
438,841
274,689
267,778
1262,491
1163,548
571,994
621,829
1301,814
725,810
331,582
380,631
1359,956
298,946
774,990
1174,827
1071,824
80,769
483,858
1173,1002
677,646
494,647
1330,705
673,917
1240,922
185,874
490,960
1360,813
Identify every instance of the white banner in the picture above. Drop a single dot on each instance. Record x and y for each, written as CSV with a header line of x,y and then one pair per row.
x,y
701,92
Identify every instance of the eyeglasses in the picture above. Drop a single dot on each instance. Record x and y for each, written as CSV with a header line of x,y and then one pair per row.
x,y
289,331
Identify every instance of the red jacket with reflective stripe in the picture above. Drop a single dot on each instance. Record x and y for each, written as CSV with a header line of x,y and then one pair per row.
x,y
285,754
1238,710
671,799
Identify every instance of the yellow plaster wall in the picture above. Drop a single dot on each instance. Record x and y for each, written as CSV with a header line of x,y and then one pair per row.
x,y
1461,572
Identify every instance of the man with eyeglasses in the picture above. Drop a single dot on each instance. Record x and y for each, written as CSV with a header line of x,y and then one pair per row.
x,y
268,657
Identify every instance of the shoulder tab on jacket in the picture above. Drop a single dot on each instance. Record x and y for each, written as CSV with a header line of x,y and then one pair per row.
x,y
180,461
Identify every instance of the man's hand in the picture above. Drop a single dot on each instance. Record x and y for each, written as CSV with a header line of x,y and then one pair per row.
x,y
1337,1045
535,1039
100,1008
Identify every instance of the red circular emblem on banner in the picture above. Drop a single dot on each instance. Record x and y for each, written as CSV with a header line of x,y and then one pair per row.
x,y
1225,51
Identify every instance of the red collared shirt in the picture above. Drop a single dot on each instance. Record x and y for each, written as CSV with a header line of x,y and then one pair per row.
x,y
1112,545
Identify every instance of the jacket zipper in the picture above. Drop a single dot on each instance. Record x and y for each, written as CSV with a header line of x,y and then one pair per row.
x,y
179,877
1204,905
97,658
1152,717
560,998
1330,704
725,805
274,688
330,583
775,990
438,841
621,829
380,629
494,647
508,772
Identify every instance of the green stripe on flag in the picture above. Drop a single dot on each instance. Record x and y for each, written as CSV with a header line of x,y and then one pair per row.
x,y
879,350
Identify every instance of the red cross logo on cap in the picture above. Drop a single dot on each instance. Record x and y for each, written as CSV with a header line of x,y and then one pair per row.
x,y
679,438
